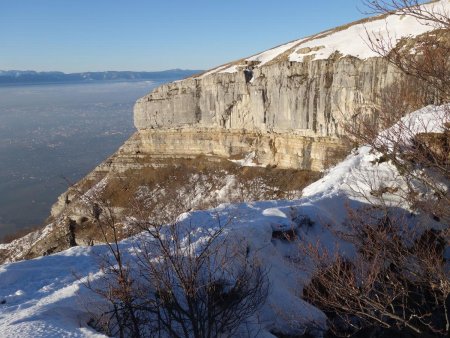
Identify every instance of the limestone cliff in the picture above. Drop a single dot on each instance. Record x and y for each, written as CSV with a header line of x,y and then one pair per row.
x,y
306,98
286,104
288,112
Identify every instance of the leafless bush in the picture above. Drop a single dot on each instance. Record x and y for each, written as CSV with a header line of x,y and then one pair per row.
x,y
175,187
421,159
418,151
182,281
433,14
397,277
426,57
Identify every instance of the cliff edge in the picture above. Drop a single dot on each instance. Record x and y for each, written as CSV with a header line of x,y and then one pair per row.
x,y
291,99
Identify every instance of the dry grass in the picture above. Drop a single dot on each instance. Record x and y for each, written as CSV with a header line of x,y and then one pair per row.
x,y
206,174
173,186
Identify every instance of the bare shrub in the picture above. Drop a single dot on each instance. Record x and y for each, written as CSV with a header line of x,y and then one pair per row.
x,y
182,281
420,154
397,278
425,58
421,159
434,15
172,187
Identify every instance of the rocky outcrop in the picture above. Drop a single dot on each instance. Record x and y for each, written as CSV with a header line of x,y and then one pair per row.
x,y
282,150
298,94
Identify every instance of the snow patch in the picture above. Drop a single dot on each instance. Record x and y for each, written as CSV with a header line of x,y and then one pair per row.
x,y
271,54
248,160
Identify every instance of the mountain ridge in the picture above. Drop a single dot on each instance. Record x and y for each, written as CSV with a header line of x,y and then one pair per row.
x,y
13,77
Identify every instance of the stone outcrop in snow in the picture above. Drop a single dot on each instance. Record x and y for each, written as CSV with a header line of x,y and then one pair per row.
x,y
298,104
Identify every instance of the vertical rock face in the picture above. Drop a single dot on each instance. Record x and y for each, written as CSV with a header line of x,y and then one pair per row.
x,y
302,90
300,104
307,98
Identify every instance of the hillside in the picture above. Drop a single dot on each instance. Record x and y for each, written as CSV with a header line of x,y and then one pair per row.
x,y
243,203
280,113
46,297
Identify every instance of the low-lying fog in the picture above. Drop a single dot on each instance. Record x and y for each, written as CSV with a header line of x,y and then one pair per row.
x,y
54,134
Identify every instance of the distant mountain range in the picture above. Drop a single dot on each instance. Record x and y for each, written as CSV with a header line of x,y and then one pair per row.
x,y
32,77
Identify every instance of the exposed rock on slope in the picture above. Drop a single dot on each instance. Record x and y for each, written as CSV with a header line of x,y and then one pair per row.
x,y
304,98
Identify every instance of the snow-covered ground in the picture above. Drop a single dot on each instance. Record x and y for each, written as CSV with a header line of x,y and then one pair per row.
x,y
350,41
45,297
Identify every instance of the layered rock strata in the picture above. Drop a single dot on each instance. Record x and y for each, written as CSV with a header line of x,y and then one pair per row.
x,y
291,113
298,94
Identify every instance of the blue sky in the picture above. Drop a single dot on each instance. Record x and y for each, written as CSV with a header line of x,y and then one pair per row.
x,y
97,35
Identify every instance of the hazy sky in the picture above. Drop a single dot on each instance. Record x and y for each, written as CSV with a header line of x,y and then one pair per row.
x,y
96,35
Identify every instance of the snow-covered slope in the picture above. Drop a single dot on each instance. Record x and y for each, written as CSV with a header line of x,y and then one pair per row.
x,y
349,40
43,298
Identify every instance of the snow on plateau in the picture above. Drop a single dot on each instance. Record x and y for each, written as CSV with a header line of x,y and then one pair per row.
x,y
351,40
